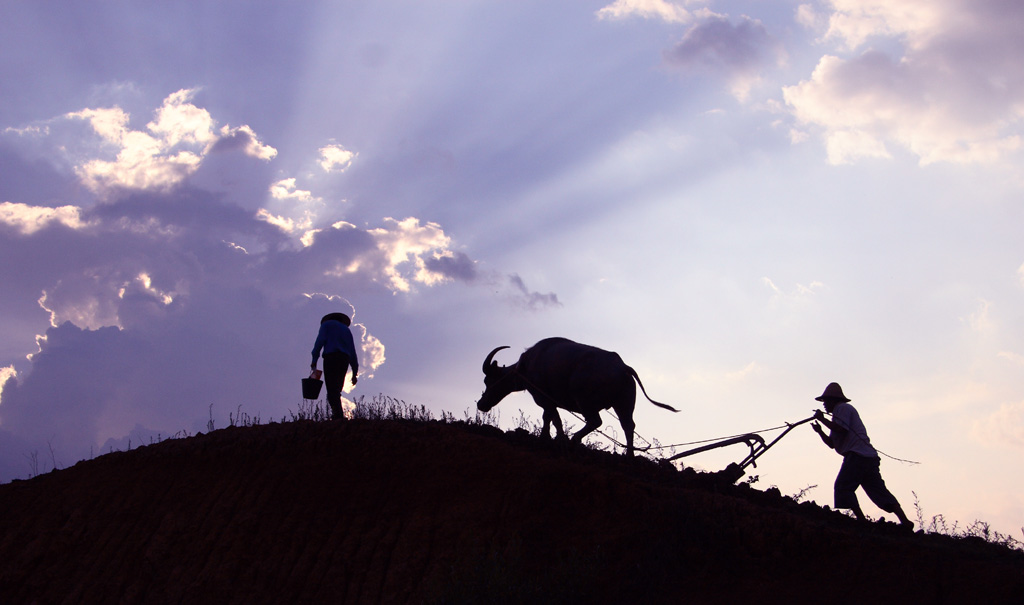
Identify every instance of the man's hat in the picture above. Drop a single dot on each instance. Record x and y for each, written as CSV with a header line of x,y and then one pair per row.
x,y
832,391
337,317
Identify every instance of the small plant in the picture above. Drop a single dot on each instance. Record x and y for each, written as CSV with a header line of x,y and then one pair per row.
x,y
241,418
309,410
33,463
978,529
800,495
527,424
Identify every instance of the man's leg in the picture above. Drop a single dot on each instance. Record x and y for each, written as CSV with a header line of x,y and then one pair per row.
x,y
874,487
335,368
845,488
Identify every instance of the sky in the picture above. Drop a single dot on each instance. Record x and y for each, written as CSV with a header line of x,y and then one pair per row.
x,y
746,200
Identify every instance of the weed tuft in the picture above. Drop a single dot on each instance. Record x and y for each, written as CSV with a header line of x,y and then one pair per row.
x,y
978,529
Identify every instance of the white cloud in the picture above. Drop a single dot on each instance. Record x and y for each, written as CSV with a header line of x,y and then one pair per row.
x,y
1015,358
6,374
945,87
335,158
372,353
179,121
245,138
807,16
285,189
177,140
857,21
29,219
980,320
406,246
848,146
799,292
1004,426
283,223
646,9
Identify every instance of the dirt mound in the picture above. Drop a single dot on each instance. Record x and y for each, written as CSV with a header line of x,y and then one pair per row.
x,y
379,511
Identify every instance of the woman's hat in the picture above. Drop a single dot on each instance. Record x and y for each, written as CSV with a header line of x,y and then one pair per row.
x,y
832,391
337,317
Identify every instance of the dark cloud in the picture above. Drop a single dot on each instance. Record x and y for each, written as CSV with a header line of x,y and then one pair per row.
x,y
166,304
32,181
528,299
458,266
718,45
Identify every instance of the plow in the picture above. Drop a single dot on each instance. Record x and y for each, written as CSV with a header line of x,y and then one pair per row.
x,y
757,444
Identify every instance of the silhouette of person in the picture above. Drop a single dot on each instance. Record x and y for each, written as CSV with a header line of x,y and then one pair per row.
x,y
339,351
848,437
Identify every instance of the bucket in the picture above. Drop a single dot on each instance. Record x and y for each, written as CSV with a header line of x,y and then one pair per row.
x,y
311,388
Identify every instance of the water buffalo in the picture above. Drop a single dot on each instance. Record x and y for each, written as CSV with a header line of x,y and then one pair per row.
x,y
560,373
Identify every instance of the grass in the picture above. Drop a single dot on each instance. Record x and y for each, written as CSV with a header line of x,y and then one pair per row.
x,y
978,530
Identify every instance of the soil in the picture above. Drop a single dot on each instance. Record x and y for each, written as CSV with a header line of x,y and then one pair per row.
x,y
400,511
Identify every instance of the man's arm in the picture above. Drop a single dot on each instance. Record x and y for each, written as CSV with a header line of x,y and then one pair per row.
x,y
835,431
824,438
354,357
319,344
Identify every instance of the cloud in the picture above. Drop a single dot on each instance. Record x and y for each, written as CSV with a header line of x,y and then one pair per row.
x,y
405,247
799,292
1015,358
453,265
335,158
285,189
981,319
29,219
166,154
528,299
857,21
736,52
935,78
284,224
1004,426
646,9
242,138
6,374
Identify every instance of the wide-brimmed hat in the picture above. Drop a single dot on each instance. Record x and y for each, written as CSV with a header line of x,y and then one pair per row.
x,y
832,391
337,317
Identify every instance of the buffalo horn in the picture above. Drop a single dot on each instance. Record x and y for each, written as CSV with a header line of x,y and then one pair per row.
x,y
490,356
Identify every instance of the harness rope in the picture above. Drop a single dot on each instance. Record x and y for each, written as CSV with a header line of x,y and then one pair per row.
x,y
651,446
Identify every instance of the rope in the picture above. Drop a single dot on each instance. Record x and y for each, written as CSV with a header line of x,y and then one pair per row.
x,y
651,446
895,458
862,440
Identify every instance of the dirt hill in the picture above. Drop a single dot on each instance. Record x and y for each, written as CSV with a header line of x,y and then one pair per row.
x,y
399,511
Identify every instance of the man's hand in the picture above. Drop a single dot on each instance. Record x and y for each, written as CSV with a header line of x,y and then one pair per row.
x,y
818,416
826,439
312,366
354,380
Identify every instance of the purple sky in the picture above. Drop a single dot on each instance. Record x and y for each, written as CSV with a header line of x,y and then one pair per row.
x,y
746,200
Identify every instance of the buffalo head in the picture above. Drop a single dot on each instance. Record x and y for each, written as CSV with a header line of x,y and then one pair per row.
x,y
499,381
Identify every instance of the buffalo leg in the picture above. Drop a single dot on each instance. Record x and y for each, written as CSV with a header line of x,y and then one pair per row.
x,y
627,427
593,421
551,417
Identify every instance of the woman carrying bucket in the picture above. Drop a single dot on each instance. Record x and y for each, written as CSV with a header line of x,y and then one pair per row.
x,y
339,350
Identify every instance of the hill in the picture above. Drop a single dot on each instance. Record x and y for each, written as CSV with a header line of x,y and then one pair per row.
x,y
402,511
